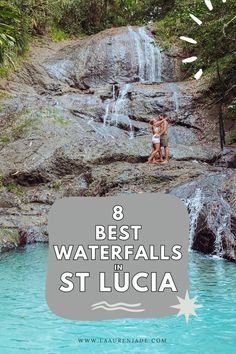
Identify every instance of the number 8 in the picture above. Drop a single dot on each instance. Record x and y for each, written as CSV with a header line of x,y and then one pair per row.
x,y
118,213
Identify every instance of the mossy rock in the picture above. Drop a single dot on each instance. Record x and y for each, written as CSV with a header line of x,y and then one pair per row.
x,y
4,93
9,239
156,179
18,130
89,193
56,185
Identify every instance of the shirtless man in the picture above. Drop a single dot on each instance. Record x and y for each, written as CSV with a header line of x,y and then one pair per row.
x,y
164,136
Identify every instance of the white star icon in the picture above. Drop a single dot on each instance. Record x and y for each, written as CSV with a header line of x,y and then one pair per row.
x,y
187,306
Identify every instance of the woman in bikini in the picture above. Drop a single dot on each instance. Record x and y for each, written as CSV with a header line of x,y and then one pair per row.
x,y
156,139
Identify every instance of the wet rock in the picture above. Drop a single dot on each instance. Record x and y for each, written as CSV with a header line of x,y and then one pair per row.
x,y
36,234
206,239
168,97
112,56
212,218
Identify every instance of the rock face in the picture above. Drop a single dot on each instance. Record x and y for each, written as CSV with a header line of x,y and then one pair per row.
x,y
75,123
210,201
115,56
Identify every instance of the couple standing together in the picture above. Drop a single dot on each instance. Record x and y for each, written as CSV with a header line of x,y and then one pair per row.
x,y
160,139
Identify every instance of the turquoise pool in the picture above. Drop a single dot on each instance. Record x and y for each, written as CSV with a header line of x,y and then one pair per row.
x,y
28,326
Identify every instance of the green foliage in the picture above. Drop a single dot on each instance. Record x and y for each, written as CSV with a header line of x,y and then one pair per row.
x,y
58,120
89,193
9,20
59,34
17,130
5,139
4,93
215,48
9,237
215,37
91,16
15,188
55,115
22,19
56,185
11,187
148,180
37,15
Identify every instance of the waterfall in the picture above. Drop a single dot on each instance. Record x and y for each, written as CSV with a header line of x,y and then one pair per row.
x,y
120,104
109,107
140,53
176,96
106,116
218,241
148,54
194,205
116,110
149,64
153,58
220,221
218,216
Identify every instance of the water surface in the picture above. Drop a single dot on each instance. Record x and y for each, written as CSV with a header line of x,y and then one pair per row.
x,y
27,325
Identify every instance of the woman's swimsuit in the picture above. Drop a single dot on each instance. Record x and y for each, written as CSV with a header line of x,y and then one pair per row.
x,y
156,139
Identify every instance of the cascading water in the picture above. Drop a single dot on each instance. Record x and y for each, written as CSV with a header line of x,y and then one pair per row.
x,y
116,110
218,216
220,222
149,64
107,115
148,54
194,205
120,109
176,96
